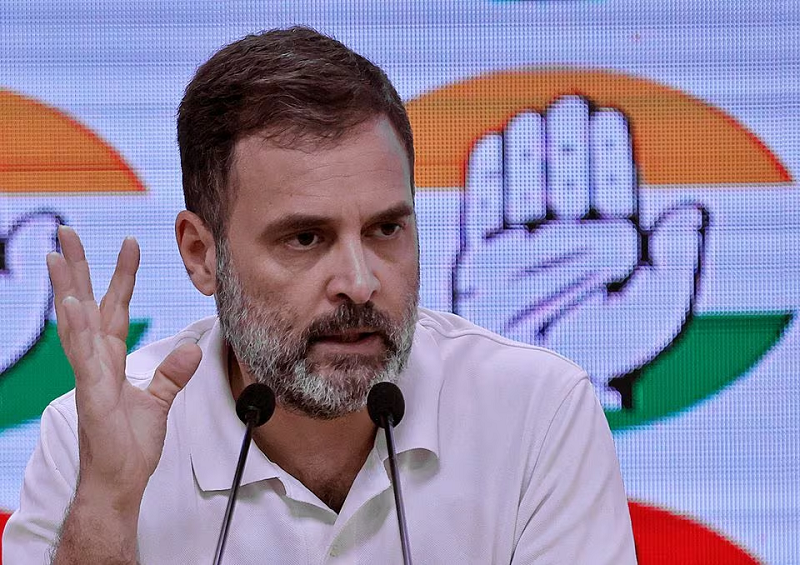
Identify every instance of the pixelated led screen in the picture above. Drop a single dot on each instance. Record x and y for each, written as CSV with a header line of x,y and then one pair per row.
x,y
615,180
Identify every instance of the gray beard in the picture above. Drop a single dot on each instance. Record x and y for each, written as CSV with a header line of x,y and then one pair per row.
x,y
274,352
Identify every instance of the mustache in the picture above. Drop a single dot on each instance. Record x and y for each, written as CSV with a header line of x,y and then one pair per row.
x,y
349,316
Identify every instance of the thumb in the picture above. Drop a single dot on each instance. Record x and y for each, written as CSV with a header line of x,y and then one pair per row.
x,y
678,237
175,371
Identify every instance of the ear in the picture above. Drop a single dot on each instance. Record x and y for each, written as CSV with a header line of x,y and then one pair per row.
x,y
197,248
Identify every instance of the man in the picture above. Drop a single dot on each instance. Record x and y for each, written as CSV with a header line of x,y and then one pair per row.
x,y
297,165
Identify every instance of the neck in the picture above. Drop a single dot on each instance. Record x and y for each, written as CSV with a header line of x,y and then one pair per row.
x,y
325,455
306,447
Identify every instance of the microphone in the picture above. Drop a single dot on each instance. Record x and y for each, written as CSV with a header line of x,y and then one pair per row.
x,y
257,402
386,408
254,407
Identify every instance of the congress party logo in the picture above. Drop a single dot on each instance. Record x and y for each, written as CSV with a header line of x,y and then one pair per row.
x,y
45,154
559,245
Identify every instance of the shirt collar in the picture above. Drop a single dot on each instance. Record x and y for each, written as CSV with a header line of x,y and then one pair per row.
x,y
421,384
216,432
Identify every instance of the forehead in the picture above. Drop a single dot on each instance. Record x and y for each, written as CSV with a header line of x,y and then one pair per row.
x,y
364,169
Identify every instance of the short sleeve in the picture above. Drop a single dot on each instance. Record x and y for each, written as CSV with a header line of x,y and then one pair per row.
x,y
47,490
574,509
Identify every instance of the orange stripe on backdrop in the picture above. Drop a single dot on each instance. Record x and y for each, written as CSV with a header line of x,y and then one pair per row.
x,y
44,150
677,139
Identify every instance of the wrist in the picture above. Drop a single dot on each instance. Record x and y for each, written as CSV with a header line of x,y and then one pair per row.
x,y
119,498
100,527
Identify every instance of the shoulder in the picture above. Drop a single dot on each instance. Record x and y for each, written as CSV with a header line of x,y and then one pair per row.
x,y
142,363
478,350
490,374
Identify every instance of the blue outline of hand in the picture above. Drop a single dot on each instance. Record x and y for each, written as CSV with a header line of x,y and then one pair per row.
x,y
553,251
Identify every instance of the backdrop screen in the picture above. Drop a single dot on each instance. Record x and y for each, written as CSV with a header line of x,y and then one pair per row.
x,y
612,179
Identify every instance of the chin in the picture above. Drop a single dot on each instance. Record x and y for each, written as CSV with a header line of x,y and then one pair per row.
x,y
337,365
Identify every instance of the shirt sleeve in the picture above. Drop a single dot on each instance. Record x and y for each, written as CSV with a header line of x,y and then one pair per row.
x,y
47,490
574,509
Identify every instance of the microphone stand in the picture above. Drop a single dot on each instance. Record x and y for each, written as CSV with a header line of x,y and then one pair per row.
x,y
237,479
388,427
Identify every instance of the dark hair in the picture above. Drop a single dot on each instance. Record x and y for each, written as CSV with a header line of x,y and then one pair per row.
x,y
290,86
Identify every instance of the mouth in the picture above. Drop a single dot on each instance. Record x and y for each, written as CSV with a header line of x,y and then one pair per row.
x,y
350,341
349,336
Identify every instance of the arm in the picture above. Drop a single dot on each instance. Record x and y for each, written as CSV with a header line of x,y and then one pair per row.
x,y
46,490
34,530
100,527
47,496
574,509
120,428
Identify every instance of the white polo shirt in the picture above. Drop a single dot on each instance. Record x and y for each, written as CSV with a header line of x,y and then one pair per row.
x,y
505,457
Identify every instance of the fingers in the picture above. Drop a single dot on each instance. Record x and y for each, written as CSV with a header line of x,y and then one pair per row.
x,y
525,198
483,202
70,276
571,159
567,131
60,279
80,345
175,371
80,283
612,168
114,308
564,163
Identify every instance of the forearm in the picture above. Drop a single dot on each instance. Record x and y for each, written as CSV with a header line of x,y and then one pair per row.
x,y
120,428
98,528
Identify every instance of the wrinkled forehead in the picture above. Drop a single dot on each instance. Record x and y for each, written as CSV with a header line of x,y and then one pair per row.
x,y
372,146
366,169
303,141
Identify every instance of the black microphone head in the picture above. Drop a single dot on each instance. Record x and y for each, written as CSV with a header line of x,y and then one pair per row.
x,y
385,401
257,399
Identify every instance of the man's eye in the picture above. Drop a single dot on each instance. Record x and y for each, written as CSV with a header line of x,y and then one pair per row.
x,y
388,229
305,239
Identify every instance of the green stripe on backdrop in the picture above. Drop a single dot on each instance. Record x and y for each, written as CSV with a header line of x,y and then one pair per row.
x,y
41,375
715,350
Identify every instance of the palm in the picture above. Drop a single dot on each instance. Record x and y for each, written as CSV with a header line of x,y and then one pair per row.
x,y
121,427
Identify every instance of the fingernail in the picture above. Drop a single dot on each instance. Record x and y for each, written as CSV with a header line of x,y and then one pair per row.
x,y
186,339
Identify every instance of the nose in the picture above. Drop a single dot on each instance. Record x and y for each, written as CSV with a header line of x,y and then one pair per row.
x,y
353,274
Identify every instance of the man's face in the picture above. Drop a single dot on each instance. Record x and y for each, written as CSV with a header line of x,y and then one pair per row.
x,y
317,283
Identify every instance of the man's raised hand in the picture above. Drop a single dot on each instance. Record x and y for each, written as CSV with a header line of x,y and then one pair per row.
x,y
121,428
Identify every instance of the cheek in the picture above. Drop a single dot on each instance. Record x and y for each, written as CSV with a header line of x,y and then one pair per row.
x,y
266,274
295,298
402,281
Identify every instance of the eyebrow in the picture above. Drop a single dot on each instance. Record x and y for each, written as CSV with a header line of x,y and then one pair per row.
x,y
396,212
298,221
